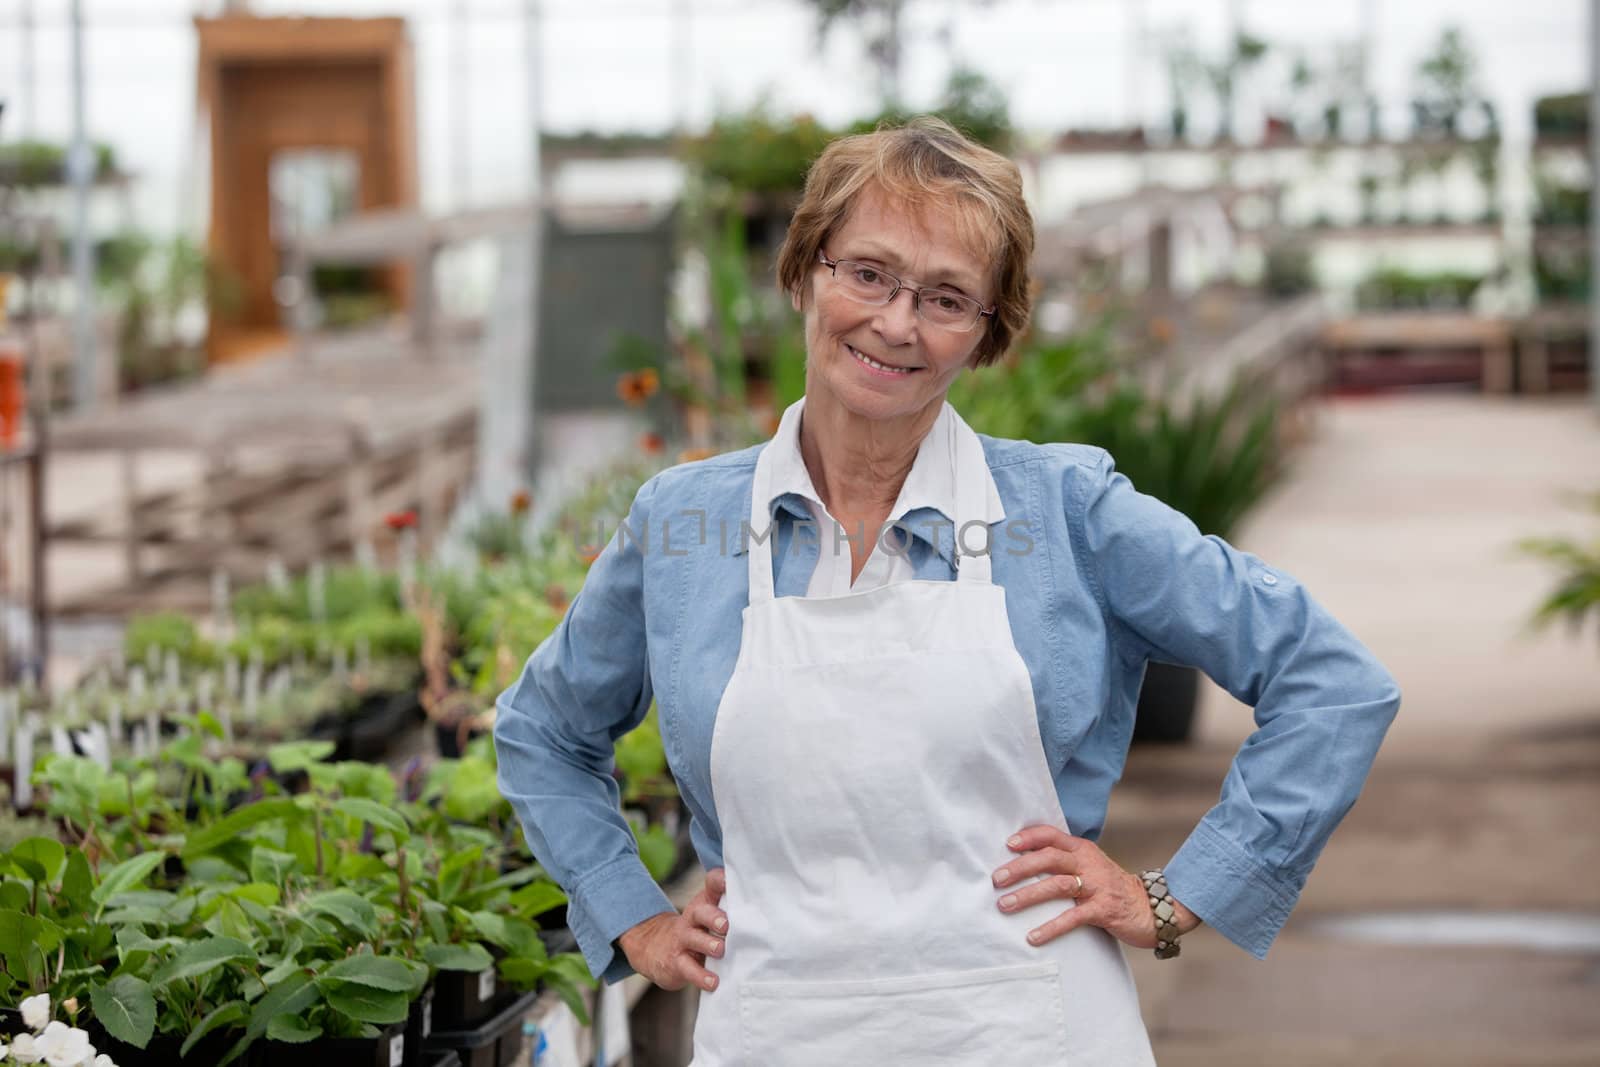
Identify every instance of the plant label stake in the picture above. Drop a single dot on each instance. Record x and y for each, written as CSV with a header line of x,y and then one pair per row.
x,y
172,677
277,575
60,743
138,743
221,608
317,592
22,795
114,718
6,719
152,725
230,678
252,689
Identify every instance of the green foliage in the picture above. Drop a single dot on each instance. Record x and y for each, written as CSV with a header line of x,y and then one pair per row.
x,y
1210,457
1576,597
759,152
41,163
1393,288
1565,115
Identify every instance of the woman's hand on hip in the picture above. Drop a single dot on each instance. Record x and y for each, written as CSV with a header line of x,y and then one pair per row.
x,y
1074,868
670,949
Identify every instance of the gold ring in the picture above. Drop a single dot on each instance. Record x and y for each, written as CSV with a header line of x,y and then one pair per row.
x,y
1079,891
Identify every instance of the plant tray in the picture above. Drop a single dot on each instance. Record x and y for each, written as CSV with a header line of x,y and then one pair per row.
x,y
495,1043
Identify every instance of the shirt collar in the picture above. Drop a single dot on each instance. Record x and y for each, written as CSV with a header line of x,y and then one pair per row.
x,y
929,489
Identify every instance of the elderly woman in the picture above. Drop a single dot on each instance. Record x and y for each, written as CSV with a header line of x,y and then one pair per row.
x,y
897,663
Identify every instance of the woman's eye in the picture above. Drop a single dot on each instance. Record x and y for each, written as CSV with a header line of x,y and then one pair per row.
x,y
868,276
946,303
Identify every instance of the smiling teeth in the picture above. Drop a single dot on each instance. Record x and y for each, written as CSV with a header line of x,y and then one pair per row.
x,y
869,361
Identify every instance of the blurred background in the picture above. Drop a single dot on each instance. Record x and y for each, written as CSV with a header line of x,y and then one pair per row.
x,y
293,293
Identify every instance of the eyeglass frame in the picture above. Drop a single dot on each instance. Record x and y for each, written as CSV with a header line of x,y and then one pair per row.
x,y
916,293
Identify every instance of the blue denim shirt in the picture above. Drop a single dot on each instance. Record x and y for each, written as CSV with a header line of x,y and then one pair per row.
x,y
1099,580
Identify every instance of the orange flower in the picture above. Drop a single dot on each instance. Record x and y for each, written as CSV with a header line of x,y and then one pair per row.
x,y
638,387
400,520
690,455
589,555
651,444
521,501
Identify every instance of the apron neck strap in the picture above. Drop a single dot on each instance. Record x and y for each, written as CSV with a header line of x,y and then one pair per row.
x,y
972,551
762,529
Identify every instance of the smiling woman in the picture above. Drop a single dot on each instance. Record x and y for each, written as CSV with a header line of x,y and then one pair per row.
x,y
897,743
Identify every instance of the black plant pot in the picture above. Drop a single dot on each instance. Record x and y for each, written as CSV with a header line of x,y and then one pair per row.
x,y
1166,704
419,1026
374,730
497,1042
162,1051
441,1058
385,1050
463,998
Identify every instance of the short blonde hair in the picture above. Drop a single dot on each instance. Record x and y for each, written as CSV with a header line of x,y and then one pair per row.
x,y
924,163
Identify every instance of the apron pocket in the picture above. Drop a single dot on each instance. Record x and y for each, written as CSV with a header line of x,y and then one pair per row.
x,y
958,1017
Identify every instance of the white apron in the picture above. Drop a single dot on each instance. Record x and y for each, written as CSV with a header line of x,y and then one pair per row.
x,y
872,753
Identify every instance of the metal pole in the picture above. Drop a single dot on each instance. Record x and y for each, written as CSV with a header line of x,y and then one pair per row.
x,y
461,103
29,74
682,64
1594,182
80,171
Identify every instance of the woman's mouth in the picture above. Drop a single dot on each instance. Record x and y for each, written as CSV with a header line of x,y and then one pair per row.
x,y
880,368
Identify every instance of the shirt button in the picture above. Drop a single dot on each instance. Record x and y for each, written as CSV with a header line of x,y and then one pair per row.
x,y
1269,579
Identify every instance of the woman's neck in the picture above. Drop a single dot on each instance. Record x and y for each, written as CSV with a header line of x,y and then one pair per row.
x,y
859,465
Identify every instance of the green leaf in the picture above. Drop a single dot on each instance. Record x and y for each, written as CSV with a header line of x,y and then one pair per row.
x,y
255,893
230,826
77,882
222,1015
351,909
532,901
298,755
453,872
126,1007
292,1030
270,865
658,851
201,957
126,875
46,855
363,810
378,972
365,1004
292,996
468,957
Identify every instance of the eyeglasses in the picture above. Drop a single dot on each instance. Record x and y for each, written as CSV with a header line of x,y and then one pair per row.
x,y
867,284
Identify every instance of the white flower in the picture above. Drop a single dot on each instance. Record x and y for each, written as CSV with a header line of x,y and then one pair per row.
x,y
64,1046
36,1011
102,1060
24,1049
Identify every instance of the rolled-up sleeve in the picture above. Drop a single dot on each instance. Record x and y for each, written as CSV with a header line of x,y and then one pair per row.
x,y
1322,701
584,687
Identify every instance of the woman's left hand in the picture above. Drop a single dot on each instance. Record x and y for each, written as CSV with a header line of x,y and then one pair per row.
x,y
1110,897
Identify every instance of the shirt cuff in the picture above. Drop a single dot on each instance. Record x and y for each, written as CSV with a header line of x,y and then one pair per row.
x,y
1223,884
607,903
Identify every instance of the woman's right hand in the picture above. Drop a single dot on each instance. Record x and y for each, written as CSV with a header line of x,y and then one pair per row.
x,y
670,949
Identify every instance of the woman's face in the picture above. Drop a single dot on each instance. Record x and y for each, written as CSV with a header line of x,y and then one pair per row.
x,y
921,249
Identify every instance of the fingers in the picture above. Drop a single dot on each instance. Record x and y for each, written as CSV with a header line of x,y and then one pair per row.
x,y
1040,836
716,884
1064,923
1059,887
1041,861
703,912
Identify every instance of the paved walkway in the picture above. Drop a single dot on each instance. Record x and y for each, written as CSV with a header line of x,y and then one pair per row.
x,y
1399,516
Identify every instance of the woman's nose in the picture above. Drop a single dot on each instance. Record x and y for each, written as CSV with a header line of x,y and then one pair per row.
x,y
896,321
